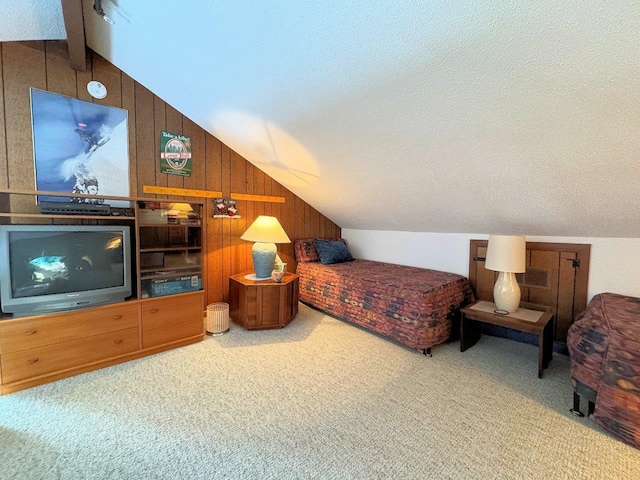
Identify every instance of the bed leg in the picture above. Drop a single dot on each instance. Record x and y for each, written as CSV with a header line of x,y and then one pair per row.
x,y
590,409
427,352
576,405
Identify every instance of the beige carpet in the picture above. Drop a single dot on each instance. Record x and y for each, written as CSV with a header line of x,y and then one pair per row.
x,y
319,399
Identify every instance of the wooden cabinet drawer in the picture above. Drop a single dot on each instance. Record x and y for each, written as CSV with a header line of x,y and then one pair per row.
x,y
24,333
33,362
171,318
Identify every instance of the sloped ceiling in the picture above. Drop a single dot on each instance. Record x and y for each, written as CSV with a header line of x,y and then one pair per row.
x,y
442,116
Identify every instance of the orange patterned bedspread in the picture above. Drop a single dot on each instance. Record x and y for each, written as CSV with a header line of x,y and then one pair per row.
x,y
414,306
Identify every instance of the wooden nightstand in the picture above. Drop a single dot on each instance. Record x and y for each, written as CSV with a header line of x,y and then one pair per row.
x,y
539,323
258,305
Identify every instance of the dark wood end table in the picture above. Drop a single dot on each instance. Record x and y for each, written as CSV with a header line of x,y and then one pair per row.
x,y
539,323
263,304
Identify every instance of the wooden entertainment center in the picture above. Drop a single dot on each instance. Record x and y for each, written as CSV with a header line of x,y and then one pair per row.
x,y
165,311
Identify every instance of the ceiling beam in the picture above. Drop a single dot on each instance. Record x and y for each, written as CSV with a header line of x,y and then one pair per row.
x,y
74,24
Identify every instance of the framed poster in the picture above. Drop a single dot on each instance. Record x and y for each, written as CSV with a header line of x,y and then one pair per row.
x,y
79,147
175,154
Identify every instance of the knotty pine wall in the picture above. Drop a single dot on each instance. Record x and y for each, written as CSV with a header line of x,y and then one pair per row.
x,y
215,166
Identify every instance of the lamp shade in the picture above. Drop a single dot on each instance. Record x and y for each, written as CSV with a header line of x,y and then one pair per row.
x,y
181,207
266,229
506,253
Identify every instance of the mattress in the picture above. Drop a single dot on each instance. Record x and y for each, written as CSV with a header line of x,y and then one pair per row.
x,y
416,307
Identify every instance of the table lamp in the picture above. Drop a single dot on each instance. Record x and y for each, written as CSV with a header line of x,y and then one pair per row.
x,y
506,254
265,231
180,210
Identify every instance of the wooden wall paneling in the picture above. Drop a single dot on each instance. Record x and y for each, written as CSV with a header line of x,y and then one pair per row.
x,y
145,136
276,191
565,311
226,226
266,206
481,279
24,67
583,253
197,180
314,222
159,124
110,77
287,221
270,188
300,230
321,225
127,87
337,231
214,238
308,228
546,260
524,290
258,189
247,210
277,210
198,146
175,124
4,167
83,77
333,230
238,167
60,78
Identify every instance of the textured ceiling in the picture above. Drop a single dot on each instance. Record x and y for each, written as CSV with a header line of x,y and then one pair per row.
x,y
31,20
442,116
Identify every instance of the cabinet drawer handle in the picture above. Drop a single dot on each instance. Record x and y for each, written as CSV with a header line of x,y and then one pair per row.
x,y
32,361
117,317
31,332
120,340
155,310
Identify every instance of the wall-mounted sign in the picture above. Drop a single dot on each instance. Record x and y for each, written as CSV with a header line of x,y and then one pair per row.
x,y
225,208
175,154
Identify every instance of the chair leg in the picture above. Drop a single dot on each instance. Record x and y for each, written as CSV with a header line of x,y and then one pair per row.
x,y
576,405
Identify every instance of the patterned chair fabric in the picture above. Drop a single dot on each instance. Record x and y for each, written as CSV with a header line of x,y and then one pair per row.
x,y
604,346
414,306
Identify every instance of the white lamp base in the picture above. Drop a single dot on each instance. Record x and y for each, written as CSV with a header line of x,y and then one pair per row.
x,y
255,278
506,292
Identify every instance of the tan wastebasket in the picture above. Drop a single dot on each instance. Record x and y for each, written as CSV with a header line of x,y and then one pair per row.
x,y
217,318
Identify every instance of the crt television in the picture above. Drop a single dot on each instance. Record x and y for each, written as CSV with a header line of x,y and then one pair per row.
x,y
48,268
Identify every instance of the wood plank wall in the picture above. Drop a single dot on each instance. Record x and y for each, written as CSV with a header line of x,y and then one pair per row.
x,y
45,65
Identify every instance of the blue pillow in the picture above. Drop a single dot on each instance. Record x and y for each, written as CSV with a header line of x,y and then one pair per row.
x,y
332,251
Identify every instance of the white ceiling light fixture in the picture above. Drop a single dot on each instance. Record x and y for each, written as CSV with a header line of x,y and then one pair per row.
x,y
97,6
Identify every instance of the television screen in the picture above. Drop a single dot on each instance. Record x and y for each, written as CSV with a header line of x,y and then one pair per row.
x,y
55,267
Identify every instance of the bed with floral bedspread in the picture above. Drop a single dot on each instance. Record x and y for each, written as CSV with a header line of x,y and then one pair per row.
x,y
416,307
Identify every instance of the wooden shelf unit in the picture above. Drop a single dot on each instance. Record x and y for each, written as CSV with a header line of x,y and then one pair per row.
x,y
42,348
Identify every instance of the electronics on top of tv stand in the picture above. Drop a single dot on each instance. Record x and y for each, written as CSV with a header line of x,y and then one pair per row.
x,y
72,208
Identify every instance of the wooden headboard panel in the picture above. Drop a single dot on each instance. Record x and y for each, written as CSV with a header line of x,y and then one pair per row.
x,y
557,276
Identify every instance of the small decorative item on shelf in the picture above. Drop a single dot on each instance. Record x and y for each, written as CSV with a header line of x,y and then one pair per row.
x,y
279,269
277,275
